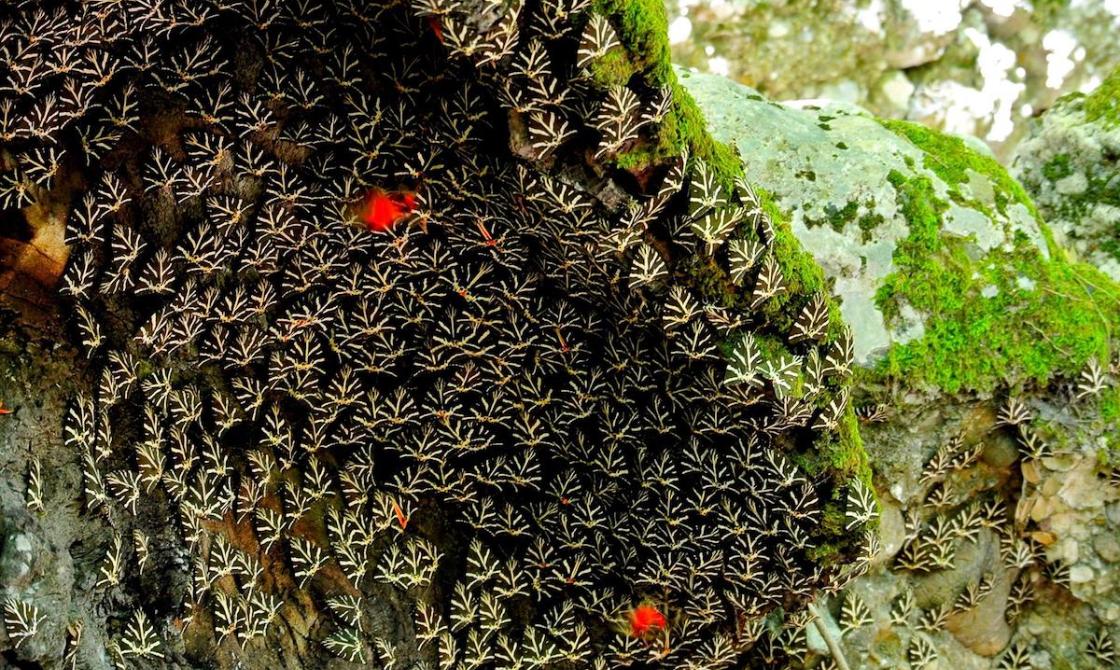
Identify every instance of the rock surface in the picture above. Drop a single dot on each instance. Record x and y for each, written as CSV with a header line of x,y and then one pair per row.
x,y
998,493
835,169
1070,163
988,390
50,552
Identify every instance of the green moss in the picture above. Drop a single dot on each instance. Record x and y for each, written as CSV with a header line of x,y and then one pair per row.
x,y
840,455
868,223
612,69
636,158
1057,168
1048,317
952,160
824,553
849,456
1110,407
838,458
974,342
1103,105
643,31
1109,413
838,217
685,126
771,348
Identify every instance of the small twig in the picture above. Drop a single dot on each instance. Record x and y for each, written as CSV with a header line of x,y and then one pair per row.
x,y
833,645
1086,282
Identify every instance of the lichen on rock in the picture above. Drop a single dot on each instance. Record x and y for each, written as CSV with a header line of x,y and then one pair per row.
x,y
1070,165
938,256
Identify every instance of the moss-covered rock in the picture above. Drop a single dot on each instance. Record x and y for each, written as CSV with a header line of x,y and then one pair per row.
x,y
642,30
972,325
1071,166
947,272
644,56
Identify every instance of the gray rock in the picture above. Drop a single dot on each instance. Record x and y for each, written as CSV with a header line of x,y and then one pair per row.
x,y
973,560
49,558
1070,164
1108,547
16,558
893,92
983,629
892,531
830,167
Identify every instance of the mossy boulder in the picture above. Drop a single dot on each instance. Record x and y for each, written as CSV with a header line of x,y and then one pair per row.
x,y
644,56
944,267
968,317
1070,164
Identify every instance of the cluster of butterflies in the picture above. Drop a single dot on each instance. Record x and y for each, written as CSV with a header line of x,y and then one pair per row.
x,y
365,326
